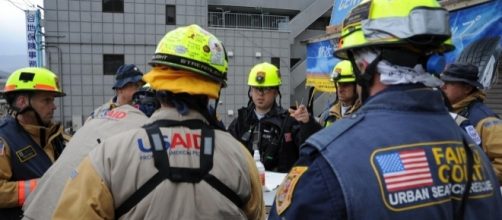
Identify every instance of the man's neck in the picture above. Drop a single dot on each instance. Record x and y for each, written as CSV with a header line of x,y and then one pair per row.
x,y
27,118
377,86
347,104
262,111
121,101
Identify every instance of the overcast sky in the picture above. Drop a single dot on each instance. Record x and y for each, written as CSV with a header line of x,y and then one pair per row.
x,y
13,50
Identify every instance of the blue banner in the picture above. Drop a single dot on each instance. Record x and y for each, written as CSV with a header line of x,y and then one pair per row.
x,y
320,63
341,8
474,23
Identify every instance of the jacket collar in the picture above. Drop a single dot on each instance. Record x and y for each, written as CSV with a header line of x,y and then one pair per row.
x,y
407,98
171,114
476,96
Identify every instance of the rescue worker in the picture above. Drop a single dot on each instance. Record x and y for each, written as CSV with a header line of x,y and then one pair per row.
x,y
268,126
177,166
466,95
29,141
128,80
145,100
400,156
42,202
347,99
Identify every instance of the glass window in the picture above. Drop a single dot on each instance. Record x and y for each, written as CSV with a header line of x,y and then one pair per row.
x,y
170,14
113,6
276,61
111,62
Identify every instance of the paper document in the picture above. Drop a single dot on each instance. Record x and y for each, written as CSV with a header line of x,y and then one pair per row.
x,y
273,180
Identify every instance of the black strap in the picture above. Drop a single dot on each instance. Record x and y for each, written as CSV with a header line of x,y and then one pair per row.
x,y
223,189
178,174
137,196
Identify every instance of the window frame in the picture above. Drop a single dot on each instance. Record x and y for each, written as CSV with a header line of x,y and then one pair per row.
x,y
113,6
173,17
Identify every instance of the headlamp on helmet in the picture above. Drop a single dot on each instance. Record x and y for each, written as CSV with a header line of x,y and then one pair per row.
x,y
343,72
264,75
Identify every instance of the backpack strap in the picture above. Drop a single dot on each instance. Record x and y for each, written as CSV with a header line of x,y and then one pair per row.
x,y
179,174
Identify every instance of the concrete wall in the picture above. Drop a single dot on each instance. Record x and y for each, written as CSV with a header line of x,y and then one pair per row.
x,y
79,33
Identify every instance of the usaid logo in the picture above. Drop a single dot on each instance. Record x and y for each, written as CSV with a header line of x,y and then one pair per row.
x,y
187,141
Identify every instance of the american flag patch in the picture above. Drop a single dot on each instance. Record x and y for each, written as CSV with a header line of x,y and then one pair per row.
x,y
404,170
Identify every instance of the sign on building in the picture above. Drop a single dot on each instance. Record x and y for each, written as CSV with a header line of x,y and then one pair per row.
x,y
33,38
320,63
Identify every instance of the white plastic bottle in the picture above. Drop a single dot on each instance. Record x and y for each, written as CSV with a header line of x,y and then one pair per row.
x,y
260,167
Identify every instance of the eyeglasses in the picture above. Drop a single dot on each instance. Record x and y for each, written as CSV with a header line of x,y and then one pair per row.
x,y
264,90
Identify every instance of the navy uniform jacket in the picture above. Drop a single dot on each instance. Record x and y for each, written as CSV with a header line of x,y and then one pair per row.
x,y
401,156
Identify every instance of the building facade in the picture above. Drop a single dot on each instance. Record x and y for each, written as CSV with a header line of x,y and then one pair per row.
x,y
86,40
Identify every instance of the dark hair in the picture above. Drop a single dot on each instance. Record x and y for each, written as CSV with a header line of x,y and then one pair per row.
x,y
11,97
184,101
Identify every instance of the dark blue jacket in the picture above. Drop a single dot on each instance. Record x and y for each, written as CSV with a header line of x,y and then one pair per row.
x,y
28,160
401,156
476,112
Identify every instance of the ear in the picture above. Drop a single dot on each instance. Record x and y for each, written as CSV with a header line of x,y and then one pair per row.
x,y
22,101
468,89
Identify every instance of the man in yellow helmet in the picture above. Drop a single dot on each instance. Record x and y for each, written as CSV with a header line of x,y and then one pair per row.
x,y
347,99
266,126
400,156
29,141
179,165
128,80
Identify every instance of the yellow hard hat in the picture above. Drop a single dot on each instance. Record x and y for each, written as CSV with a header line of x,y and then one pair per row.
x,y
264,75
421,24
33,79
343,72
194,49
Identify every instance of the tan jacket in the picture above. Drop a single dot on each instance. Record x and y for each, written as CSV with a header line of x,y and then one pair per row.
x,y
335,112
121,164
42,202
101,111
490,131
10,195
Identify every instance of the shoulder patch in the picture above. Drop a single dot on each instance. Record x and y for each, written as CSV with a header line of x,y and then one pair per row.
x,y
287,187
26,153
471,131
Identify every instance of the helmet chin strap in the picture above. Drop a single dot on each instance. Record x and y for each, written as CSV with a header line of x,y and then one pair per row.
x,y
30,108
365,80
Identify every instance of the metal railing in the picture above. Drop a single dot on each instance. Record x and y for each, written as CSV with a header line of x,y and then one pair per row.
x,y
248,21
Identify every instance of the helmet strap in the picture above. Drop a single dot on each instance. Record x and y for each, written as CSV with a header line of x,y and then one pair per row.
x,y
280,97
30,108
250,99
365,80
